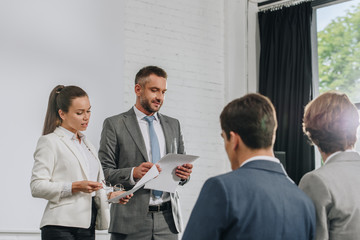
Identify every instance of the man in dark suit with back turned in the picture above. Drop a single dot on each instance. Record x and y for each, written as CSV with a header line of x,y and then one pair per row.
x,y
131,143
256,200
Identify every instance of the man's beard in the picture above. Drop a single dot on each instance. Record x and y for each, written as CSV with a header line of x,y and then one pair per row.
x,y
145,103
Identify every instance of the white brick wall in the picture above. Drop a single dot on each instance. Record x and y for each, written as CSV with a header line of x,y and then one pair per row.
x,y
186,39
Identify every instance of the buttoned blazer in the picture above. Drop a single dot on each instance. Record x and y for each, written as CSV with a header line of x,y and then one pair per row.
x,y
122,147
256,201
334,189
58,161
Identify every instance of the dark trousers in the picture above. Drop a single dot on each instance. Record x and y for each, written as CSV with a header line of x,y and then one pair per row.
x,y
51,232
157,226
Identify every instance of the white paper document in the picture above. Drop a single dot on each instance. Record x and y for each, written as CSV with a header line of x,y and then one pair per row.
x,y
167,181
153,172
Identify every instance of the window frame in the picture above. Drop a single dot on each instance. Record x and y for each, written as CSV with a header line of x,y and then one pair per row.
x,y
315,63
316,4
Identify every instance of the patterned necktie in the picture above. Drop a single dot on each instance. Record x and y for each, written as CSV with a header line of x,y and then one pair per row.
x,y
155,148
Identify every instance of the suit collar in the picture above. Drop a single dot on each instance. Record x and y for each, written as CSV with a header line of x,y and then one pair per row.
x,y
344,156
131,123
267,158
140,115
72,135
266,165
83,138
68,142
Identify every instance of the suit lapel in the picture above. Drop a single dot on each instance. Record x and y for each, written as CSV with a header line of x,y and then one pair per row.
x,y
74,150
167,132
132,125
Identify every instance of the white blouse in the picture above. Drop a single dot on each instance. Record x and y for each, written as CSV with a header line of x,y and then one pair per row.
x,y
91,161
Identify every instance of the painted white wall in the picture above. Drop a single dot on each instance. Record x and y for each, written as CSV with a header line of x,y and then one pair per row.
x,y
206,46
241,48
42,44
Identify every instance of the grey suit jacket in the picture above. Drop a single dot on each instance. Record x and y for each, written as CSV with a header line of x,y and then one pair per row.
x,y
122,147
334,189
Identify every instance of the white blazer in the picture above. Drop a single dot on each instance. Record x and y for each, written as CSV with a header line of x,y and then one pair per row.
x,y
58,161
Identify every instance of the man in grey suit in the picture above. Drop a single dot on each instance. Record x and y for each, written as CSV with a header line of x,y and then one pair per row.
x,y
331,122
131,143
257,200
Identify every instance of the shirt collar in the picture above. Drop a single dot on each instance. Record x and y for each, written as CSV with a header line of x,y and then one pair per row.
x,y
140,115
266,158
72,135
336,153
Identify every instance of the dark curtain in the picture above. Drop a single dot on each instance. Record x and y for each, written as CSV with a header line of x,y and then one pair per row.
x,y
286,78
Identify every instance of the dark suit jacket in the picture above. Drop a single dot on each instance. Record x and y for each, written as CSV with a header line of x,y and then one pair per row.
x,y
256,201
122,147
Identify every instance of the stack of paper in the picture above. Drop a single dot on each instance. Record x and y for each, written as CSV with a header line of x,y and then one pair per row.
x,y
165,181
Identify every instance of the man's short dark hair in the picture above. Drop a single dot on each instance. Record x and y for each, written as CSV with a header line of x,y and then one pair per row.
x,y
142,76
253,118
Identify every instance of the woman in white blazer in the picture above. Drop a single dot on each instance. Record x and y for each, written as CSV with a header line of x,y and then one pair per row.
x,y
67,171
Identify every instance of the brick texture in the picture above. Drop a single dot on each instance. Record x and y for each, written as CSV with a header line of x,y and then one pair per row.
x,y
186,39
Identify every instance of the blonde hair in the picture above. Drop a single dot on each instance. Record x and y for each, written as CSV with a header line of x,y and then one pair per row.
x,y
331,122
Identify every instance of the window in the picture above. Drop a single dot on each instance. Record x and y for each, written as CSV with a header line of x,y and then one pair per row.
x,y
336,37
338,44
338,40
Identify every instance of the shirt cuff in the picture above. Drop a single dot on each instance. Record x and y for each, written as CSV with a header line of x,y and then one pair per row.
x,y
66,191
132,181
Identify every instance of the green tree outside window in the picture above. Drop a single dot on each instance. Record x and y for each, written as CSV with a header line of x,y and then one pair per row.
x,y
339,55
